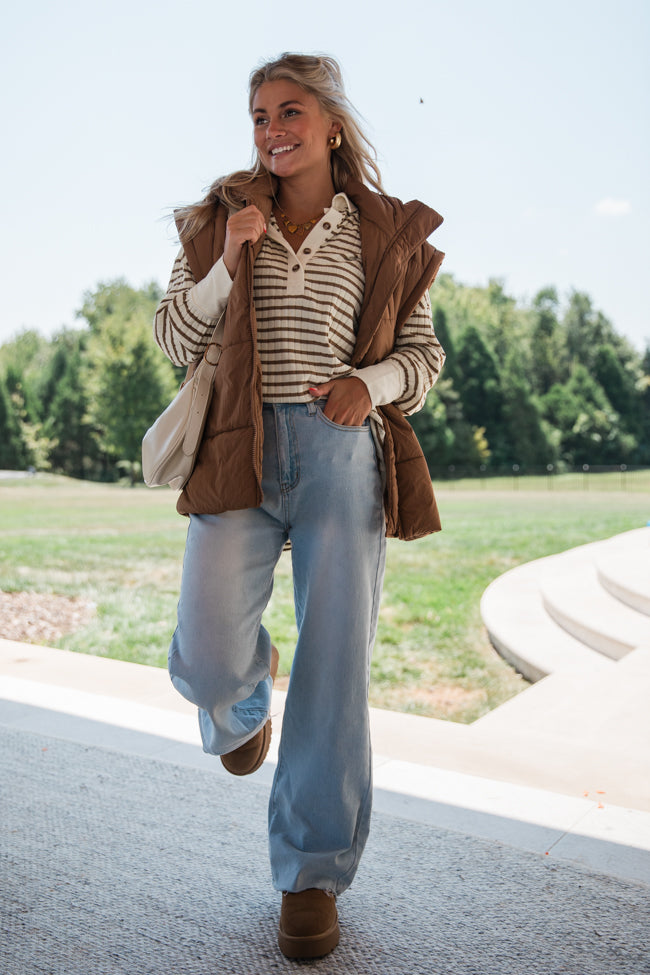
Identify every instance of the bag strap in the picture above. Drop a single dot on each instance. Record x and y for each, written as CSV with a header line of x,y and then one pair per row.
x,y
213,337
194,365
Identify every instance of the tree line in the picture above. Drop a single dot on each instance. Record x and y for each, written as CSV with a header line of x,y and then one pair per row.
x,y
541,385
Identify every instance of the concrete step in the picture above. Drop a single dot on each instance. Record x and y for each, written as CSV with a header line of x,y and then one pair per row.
x,y
607,703
523,632
626,576
574,598
576,732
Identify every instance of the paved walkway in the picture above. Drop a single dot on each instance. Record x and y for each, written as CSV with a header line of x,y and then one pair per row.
x,y
433,772
120,864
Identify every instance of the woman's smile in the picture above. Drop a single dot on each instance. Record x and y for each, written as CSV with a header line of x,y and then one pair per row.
x,y
276,150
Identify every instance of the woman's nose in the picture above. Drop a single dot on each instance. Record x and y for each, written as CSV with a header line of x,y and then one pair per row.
x,y
275,128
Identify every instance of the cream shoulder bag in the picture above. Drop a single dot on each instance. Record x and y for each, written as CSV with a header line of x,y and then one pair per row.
x,y
170,446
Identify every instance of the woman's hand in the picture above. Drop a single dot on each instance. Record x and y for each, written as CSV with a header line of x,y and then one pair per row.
x,y
348,400
246,224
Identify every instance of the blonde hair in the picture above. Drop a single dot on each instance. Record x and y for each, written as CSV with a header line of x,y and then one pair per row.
x,y
355,158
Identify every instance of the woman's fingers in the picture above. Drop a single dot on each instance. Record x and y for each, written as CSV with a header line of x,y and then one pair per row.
x,y
247,224
348,400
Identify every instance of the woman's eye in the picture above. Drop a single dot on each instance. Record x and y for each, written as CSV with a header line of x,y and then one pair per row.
x,y
260,120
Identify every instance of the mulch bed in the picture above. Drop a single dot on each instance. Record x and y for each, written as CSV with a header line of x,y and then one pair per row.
x,y
34,617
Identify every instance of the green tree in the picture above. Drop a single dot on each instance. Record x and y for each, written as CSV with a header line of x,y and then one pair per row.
x,y
74,450
619,385
587,330
528,443
642,455
589,426
24,400
505,327
27,355
480,390
445,436
118,300
548,352
24,405
25,359
128,380
13,450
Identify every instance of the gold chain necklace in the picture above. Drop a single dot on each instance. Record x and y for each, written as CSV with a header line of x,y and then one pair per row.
x,y
294,227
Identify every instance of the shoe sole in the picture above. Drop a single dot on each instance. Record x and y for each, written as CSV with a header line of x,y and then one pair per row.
x,y
309,947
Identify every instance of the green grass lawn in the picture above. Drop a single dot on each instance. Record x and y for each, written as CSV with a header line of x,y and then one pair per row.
x,y
122,549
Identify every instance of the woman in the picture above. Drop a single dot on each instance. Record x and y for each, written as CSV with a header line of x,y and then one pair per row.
x,y
326,343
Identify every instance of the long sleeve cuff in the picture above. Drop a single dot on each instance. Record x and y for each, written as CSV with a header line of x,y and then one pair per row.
x,y
209,297
385,382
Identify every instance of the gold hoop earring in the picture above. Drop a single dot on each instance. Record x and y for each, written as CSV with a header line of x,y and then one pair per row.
x,y
334,141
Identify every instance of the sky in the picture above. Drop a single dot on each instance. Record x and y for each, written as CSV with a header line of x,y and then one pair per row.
x,y
526,125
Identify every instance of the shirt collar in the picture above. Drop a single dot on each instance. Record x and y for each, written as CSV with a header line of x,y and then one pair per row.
x,y
342,202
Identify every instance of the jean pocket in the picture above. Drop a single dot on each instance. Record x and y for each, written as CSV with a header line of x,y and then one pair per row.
x,y
365,426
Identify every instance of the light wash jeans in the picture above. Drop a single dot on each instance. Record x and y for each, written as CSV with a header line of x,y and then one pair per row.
x,y
322,490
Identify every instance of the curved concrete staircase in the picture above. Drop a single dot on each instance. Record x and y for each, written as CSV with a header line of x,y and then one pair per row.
x,y
578,625
552,614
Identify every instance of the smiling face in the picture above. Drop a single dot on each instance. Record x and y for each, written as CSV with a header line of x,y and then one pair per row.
x,y
291,131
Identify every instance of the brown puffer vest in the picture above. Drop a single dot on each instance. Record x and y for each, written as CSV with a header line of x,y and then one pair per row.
x,y
399,266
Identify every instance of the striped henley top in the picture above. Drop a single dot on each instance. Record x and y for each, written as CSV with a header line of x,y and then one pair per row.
x,y
307,309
